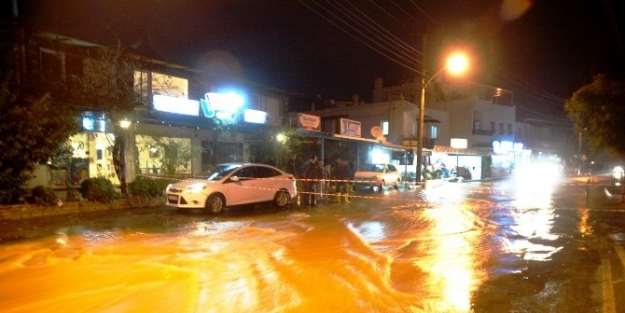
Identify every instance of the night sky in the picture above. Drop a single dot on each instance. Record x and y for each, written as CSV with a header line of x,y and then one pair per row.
x,y
541,50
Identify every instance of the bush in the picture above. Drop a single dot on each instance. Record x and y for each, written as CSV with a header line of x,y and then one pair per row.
x,y
43,195
97,189
148,187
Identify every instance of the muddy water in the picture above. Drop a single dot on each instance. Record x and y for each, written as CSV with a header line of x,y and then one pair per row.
x,y
394,252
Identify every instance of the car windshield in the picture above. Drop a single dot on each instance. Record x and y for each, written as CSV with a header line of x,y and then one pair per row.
x,y
222,171
374,168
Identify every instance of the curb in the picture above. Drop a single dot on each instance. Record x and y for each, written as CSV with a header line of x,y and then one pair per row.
x,y
27,211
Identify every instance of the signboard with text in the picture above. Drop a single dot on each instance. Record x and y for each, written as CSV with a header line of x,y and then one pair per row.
x,y
309,122
350,127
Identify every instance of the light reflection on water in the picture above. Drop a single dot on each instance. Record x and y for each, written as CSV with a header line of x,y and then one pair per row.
x,y
298,265
428,258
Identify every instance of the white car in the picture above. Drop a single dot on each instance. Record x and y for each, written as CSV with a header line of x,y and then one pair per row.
x,y
234,184
377,175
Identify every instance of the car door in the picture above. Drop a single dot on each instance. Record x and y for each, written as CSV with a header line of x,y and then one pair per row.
x,y
268,182
392,174
239,187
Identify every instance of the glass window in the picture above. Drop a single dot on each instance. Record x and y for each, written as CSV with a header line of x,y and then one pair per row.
x,y
433,131
246,173
384,127
266,172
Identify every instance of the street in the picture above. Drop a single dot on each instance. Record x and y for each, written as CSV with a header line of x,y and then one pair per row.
x,y
492,246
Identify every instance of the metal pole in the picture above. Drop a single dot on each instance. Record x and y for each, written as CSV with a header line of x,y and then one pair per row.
x,y
420,122
122,172
579,154
420,134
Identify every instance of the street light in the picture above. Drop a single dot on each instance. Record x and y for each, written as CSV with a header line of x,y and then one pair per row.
x,y
124,124
456,64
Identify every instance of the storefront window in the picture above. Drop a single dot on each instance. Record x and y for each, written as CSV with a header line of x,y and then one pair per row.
x,y
164,155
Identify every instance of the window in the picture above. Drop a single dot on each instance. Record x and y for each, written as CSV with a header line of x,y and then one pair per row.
x,y
148,83
246,173
477,124
509,129
50,64
433,132
266,172
222,152
385,128
501,128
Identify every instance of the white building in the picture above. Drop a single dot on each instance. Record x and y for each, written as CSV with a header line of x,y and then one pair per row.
x,y
480,118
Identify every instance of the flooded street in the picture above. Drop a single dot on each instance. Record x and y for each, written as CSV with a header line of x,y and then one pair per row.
x,y
461,247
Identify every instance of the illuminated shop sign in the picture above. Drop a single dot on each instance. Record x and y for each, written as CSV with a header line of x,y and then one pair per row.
x,y
176,105
214,105
221,106
458,143
350,128
309,122
507,146
255,116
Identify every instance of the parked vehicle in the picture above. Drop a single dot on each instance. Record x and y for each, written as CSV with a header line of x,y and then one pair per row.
x,y
234,184
377,175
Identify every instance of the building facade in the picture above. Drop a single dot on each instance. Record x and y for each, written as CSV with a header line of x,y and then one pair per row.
x,y
467,127
182,122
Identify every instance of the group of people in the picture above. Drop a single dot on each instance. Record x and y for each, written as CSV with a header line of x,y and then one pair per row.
x,y
318,176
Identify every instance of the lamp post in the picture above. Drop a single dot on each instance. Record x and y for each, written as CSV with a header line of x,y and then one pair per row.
x,y
457,64
124,124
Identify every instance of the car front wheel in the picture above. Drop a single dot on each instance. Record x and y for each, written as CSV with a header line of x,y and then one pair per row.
x,y
281,199
215,204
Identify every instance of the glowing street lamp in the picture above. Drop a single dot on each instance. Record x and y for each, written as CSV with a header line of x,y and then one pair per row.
x,y
456,64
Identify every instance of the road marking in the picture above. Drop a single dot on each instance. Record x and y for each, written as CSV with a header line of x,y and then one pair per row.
x,y
606,274
621,253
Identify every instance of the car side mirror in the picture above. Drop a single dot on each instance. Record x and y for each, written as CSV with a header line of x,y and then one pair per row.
x,y
234,178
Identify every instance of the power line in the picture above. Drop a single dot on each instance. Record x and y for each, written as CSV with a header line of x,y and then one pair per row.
x,y
378,50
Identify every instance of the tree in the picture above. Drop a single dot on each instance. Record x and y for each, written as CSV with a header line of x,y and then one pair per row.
x,y
31,132
598,111
108,85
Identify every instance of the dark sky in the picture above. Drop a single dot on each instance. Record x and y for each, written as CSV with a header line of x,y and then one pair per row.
x,y
542,50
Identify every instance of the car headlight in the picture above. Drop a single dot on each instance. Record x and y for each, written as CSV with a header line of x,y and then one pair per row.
x,y
195,188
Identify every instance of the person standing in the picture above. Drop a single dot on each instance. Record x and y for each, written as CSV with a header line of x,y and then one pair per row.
x,y
321,176
292,166
342,174
327,175
310,177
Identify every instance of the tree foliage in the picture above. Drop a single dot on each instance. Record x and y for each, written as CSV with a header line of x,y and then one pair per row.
x,y
598,111
31,132
108,84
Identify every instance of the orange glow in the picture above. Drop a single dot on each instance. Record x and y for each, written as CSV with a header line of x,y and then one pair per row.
x,y
583,226
451,265
457,63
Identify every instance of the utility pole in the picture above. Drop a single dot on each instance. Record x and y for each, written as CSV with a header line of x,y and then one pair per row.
x,y
420,129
